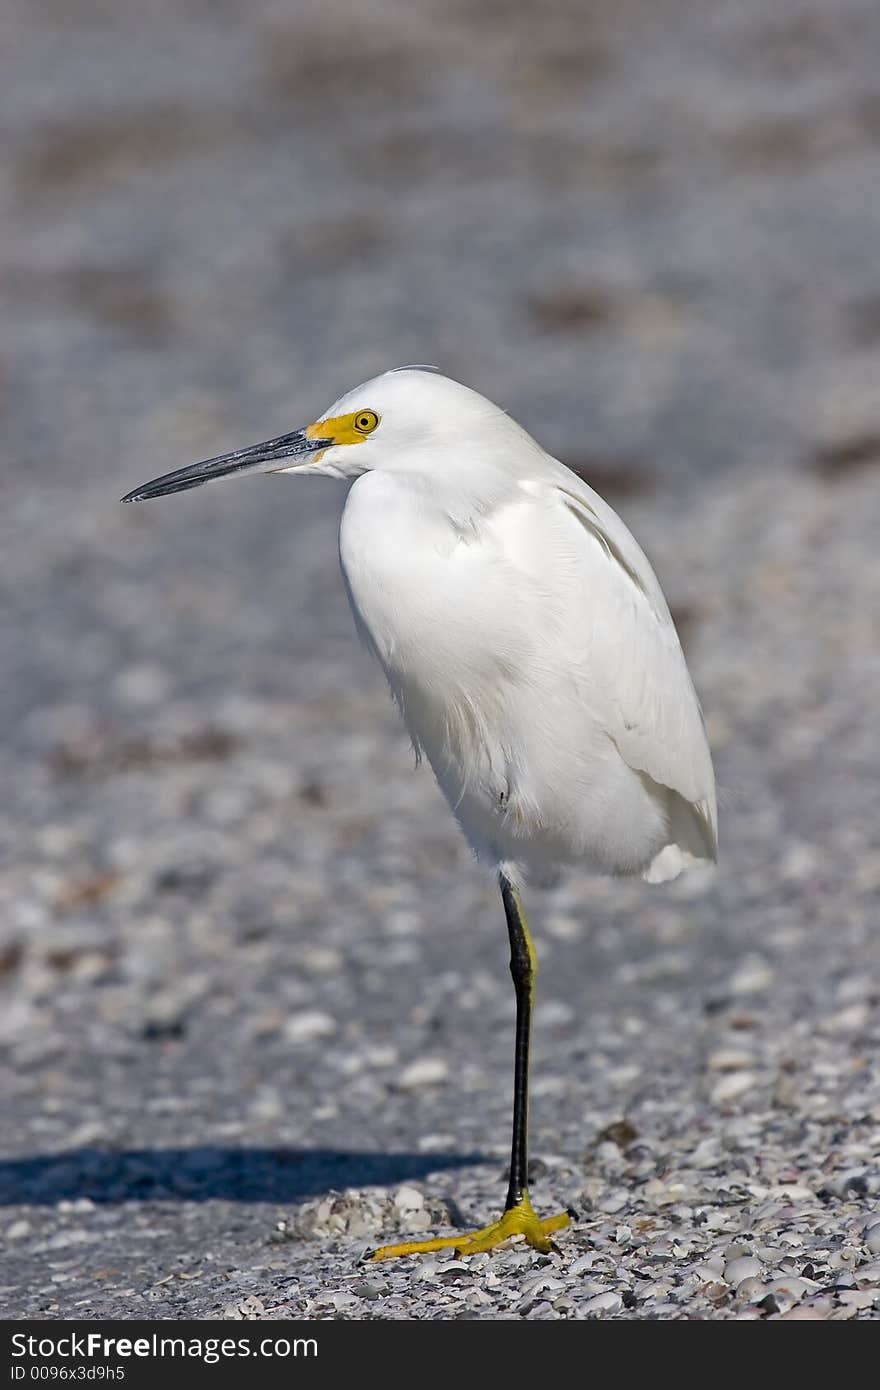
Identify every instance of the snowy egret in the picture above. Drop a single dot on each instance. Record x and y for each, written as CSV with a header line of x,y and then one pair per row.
x,y
529,647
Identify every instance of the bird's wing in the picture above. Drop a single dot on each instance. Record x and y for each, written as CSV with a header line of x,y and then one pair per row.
x,y
624,639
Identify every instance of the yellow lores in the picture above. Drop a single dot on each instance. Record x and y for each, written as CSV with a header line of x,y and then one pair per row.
x,y
345,429
342,429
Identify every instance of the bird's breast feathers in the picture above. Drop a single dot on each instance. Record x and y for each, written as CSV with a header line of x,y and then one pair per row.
x,y
544,595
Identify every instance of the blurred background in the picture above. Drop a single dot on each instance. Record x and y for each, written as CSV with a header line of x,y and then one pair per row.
x,y
233,920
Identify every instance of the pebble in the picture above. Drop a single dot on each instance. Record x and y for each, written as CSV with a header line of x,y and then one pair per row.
x,y
614,1202
341,1299
736,1248
408,1199
815,1311
793,1286
141,685
732,1085
792,1192
543,1283
753,976
308,1026
744,1267
730,1059
859,1298
427,1071
609,1302
539,1310
750,1290
715,1292
849,1020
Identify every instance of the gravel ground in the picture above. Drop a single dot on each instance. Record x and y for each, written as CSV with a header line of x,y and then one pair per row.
x,y
256,1015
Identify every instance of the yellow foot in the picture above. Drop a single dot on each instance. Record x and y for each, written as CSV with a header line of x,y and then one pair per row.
x,y
517,1221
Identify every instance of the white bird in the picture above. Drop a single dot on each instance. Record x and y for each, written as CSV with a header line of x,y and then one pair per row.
x,y
530,649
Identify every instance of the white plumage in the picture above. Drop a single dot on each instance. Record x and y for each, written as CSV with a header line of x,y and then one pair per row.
x,y
526,639
522,630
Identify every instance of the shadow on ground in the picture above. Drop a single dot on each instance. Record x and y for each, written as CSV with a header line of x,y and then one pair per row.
x,y
206,1174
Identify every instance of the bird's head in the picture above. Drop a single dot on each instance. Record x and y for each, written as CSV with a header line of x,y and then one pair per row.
x,y
398,420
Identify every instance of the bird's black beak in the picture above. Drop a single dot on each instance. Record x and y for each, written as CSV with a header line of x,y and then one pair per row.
x,y
256,458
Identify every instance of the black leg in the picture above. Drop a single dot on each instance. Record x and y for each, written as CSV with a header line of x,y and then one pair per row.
x,y
519,1218
523,967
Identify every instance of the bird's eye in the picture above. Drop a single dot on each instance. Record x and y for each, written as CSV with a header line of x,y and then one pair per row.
x,y
366,421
